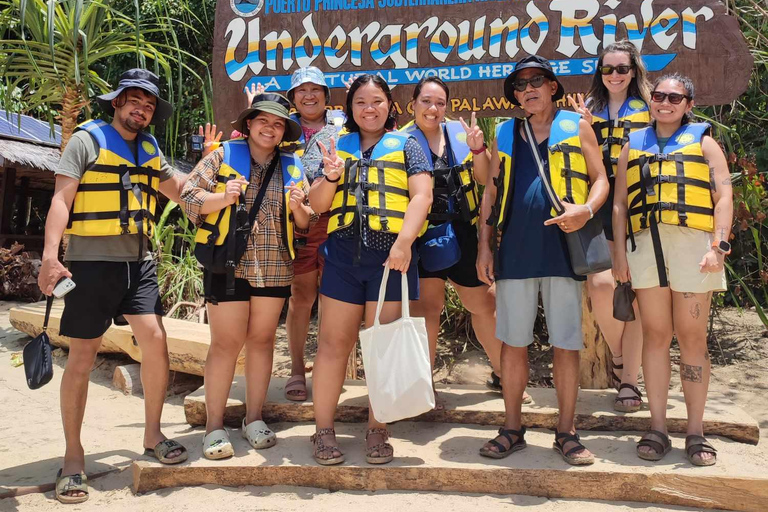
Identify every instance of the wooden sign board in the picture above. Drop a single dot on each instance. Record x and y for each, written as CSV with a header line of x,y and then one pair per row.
x,y
471,44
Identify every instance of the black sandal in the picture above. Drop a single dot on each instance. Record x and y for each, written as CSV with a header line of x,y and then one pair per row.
x,y
514,446
695,445
616,379
656,441
561,438
620,405
494,384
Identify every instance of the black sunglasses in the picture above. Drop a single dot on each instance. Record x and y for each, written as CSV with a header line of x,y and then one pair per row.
x,y
522,84
276,98
674,97
622,69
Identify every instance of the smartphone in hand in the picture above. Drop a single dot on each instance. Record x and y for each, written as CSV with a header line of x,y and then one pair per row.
x,y
63,287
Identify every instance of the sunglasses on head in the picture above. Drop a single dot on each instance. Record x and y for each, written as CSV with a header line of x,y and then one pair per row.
x,y
622,69
276,98
673,97
521,84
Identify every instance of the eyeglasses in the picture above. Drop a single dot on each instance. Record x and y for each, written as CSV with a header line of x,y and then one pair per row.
x,y
522,84
674,97
622,69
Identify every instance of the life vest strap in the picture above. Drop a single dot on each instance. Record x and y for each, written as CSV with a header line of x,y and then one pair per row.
x,y
663,157
382,212
115,187
570,173
667,178
378,187
566,149
122,168
142,214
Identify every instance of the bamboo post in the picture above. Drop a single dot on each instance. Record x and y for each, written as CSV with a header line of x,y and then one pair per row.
x,y
595,366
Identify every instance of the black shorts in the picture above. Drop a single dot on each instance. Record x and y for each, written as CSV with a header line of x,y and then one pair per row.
x,y
463,273
106,290
216,290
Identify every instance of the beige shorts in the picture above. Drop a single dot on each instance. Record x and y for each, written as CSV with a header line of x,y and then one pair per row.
x,y
683,250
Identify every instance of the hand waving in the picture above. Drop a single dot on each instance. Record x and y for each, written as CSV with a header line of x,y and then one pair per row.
x,y
475,139
211,141
332,162
581,107
253,91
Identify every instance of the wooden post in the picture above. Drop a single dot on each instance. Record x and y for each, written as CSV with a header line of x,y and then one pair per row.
x,y
595,367
7,199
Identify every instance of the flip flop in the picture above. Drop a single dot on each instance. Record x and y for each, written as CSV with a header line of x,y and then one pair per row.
x,y
71,483
259,435
217,445
297,385
163,448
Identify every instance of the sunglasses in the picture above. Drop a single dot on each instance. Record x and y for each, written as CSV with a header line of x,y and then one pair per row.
x,y
608,70
522,84
276,98
673,97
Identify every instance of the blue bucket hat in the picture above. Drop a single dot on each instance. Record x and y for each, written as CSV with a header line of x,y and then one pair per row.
x,y
308,74
144,80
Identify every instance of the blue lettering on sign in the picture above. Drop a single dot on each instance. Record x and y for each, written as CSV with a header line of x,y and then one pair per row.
x,y
473,72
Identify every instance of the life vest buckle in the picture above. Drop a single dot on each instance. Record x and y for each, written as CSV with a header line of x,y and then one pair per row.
x,y
660,157
664,206
663,178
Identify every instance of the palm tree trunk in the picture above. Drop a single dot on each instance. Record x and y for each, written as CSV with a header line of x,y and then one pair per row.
x,y
71,105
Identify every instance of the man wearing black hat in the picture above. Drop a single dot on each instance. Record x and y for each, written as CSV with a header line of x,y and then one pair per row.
x,y
105,198
546,163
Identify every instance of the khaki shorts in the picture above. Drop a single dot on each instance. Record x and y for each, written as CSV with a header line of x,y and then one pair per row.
x,y
683,250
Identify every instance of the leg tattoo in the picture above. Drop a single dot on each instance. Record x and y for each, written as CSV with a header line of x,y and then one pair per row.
x,y
695,311
691,373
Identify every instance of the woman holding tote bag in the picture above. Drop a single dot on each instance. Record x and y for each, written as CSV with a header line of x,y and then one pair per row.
x,y
366,235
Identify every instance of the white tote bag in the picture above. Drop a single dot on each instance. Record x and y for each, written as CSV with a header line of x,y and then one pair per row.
x,y
396,360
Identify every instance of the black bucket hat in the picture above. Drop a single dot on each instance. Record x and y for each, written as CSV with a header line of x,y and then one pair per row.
x,y
144,80
271,103
535,62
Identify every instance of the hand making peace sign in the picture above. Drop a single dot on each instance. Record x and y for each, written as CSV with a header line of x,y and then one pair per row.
x,y
581,107
475,139
332,162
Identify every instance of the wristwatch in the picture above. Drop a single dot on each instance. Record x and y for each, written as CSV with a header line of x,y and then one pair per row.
x,y
722,247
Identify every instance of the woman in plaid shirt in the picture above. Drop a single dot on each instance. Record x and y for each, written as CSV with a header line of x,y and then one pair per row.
x,y
263,275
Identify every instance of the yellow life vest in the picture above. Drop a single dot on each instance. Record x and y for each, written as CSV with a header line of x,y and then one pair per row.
x,y
567,167
672,187
462,188
612,134
386,187
117,194
237,164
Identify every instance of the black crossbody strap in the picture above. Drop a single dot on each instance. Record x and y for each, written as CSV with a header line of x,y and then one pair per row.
x,y
534,147
263,190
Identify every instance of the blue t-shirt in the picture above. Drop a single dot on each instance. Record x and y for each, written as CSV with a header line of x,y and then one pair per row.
x,y
529,249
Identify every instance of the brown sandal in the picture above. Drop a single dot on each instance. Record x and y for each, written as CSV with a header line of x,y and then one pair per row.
x,y
319,446
379,459
696,445
659,444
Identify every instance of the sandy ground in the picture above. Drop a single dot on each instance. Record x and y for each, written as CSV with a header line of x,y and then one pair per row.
x,y
31,441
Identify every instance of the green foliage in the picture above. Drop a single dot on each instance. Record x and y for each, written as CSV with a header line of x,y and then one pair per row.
x,y
178,272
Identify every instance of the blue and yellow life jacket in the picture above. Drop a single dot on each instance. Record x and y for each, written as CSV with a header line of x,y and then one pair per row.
x,y
237,164
386,186
117,194
567,167
462,188
612,134
670,186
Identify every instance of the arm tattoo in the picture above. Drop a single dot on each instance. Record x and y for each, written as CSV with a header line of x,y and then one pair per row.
x,y
712,181
727,182
691,373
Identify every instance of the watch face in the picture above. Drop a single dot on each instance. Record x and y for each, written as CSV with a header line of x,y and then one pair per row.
x,y
724,246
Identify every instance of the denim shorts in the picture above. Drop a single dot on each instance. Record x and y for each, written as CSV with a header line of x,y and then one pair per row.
x,y
357,284
517,303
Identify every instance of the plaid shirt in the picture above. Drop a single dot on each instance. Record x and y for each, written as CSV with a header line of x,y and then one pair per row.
x,y
266,262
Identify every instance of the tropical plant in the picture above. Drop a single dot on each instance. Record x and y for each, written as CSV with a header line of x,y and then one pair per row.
x,y
57,51
178,272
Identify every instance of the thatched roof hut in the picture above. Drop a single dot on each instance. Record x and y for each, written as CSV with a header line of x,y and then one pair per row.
x,y
29,153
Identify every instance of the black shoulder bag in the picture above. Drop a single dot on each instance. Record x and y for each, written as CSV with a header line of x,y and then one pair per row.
x,y
588,247
38,362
